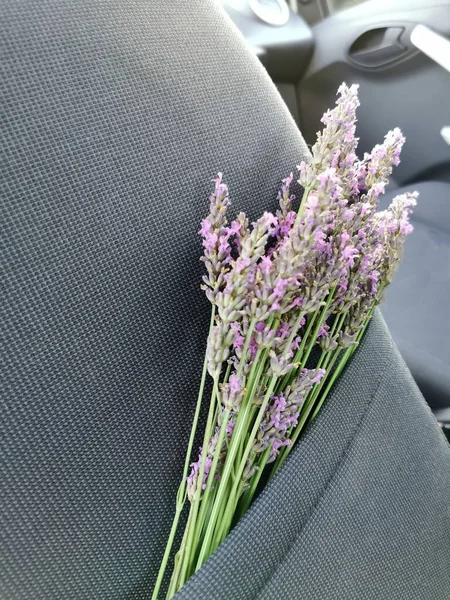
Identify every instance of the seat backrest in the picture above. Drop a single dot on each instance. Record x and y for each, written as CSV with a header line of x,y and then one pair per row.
x,y
114,116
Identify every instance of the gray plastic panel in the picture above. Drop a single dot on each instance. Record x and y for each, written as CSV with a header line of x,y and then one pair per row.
x,y
285,51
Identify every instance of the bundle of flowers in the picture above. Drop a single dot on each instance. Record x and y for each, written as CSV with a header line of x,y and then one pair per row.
x,y
291,297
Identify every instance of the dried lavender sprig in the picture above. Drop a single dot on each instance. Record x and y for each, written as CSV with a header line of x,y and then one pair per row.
x,y
217,256
233,298
393,227
230,397
382,159
335,145
219,342
216,239
239,429
348,252
347,256
208,544
338,136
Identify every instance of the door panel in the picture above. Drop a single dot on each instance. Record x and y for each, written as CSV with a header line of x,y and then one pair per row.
x,y
399,86
285,50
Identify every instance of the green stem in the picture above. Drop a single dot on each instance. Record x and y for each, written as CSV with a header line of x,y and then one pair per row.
x,y
181,494
301,208
173,587
196,502
220,440
234,495
240,428
233,446
222,526
226,519
338,322
247,498
203,504
322,317
217,452
173,530
227,373
190,554
251,439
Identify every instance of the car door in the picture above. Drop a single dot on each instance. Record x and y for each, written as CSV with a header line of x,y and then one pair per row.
x,y
370,44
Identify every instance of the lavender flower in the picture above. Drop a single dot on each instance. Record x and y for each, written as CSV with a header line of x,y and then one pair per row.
x,y
286,216
285,198
393,227
192,480
232,393
279,365
240,278
291,280
264,336
217,239
282,413
384,249
336,144
218,347
380,161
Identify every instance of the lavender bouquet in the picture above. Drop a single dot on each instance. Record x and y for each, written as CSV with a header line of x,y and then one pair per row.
x,y
291,298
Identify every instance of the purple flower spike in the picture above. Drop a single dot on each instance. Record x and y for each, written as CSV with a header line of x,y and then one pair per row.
x,y
192,479
232,393
380,161
217,238
282,413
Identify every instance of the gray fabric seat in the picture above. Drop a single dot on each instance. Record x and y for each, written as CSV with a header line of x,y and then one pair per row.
x,y
114,117
417,307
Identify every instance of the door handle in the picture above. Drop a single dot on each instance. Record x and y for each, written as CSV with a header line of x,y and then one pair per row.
x,y
378,47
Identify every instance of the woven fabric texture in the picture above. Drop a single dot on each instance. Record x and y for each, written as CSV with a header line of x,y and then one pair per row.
x,y
114,116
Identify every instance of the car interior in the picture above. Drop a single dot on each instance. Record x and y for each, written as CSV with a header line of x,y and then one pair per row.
x,y
115,115
404,84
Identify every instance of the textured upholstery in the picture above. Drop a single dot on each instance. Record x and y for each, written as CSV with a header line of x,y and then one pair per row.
x,y
114,118
114,115
417,308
